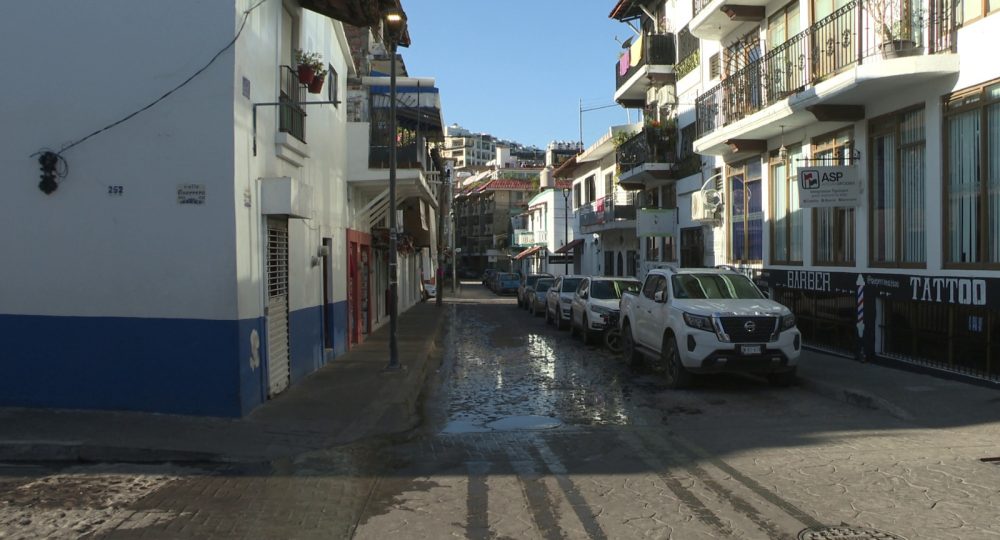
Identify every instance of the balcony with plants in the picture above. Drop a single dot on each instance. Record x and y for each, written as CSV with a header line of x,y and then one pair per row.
x,y
646,61
650,154
826,73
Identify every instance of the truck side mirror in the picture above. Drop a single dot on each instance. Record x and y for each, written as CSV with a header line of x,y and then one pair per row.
x,y
660,297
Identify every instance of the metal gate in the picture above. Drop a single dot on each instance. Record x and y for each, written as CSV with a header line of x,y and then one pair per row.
x,y
277,306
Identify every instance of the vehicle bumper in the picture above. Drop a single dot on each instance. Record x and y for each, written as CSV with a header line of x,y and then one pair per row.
x,y
702,352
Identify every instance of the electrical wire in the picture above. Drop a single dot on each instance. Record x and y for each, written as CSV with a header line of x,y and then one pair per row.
x,y
246,15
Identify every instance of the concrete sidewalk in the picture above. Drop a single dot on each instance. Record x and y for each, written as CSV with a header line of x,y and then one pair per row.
x,y
927,400
350,398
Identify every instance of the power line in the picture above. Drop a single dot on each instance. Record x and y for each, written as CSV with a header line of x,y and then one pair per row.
x,y
246,15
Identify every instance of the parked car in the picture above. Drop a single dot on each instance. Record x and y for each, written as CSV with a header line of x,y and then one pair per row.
x,y
709,321
527,283
595,305
506,283
536,296
488,276
558,299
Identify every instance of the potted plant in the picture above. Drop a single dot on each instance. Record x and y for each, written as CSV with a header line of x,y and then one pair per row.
x,y
896,22
319,76
308,64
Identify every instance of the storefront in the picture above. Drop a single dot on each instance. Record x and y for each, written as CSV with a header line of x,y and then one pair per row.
x,y
940,322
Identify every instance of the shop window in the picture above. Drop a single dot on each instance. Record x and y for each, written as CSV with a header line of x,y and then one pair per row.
x,y
897,189
786,220
833,228
972,178
745,212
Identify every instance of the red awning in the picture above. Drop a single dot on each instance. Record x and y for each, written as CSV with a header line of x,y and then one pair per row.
x,y
569,246
528,252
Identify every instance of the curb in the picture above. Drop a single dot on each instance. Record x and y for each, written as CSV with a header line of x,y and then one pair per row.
x,y
858,398
81,452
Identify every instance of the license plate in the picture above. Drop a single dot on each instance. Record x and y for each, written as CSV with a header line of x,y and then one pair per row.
x,y
751,349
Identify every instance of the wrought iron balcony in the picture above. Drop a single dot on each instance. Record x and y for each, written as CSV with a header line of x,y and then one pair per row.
x,y
609,209
651,151
291,115
850,36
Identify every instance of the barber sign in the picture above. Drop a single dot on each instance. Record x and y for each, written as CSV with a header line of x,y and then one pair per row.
x,y
828,187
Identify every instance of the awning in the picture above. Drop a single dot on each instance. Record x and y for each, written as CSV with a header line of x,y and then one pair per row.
x,y
528,252
569,246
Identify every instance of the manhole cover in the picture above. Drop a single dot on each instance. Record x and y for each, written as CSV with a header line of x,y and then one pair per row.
x,y
845,532
517,423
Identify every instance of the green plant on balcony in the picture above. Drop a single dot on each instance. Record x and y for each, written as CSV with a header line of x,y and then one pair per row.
x,y
897,23
661,136
688,64
309,66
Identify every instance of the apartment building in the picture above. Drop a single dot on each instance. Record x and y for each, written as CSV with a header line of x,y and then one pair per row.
x,y
849,153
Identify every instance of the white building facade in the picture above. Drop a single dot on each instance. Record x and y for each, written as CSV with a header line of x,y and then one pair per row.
x,y
193,256
849,152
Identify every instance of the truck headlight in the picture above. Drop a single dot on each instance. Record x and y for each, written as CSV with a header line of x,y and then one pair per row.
x,y
787,322
600,310
699,321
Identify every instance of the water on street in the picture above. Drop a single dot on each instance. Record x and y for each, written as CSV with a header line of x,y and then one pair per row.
x,y
529,433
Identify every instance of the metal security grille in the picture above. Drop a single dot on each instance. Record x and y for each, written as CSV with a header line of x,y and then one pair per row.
x,y
278,366
277,261
826,320
749,329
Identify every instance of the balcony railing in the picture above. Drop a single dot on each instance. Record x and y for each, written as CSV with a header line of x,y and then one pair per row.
x,y
700,5
849,36
657,50
617,207
647,146
291,115
413,126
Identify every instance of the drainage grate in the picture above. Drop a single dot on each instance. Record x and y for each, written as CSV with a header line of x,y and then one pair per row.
x,y
845,532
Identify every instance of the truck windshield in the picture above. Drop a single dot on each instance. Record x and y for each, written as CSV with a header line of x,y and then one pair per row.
x,y
612,289
714,286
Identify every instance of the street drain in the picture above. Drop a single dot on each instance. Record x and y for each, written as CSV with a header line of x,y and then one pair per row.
x,y
845,532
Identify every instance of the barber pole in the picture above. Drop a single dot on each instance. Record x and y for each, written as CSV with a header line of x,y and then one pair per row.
x,y
861,306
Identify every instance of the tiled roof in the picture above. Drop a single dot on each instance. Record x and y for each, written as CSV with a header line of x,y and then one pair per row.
x,y
507,184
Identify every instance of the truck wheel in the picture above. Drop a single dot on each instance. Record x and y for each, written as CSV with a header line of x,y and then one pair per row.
x,y
782,379
677,376
632,354
613,340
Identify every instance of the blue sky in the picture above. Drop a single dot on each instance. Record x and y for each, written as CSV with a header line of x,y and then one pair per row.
x,y
517,69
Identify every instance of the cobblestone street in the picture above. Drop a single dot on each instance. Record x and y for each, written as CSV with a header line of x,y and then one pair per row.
x,y
528,433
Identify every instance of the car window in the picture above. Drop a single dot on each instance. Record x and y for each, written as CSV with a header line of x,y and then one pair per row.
x,y
652,283
612,289
570,284
543,285
627,285
715,286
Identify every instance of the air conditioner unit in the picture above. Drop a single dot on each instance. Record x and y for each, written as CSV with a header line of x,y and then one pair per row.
x,y
703,206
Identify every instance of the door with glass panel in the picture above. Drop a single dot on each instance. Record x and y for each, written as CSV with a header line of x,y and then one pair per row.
x,y
897,190
833,228
786,61
834,36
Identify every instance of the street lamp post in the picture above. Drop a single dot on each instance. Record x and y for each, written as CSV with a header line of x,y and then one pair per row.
x,y
395,22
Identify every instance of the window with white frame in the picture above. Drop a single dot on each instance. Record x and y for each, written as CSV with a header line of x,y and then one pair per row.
x,y
972,177
745,212
898,237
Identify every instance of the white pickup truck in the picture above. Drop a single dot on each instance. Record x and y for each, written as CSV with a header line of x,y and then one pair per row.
x,y
703,320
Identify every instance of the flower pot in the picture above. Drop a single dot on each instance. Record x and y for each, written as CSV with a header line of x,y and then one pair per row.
x,y
306,74
316,85
898,48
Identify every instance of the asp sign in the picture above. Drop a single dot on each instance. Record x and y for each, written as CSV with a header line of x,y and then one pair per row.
x,y
826,187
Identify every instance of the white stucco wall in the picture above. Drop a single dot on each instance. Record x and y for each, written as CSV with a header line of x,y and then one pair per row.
x,y
73,68
323,172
